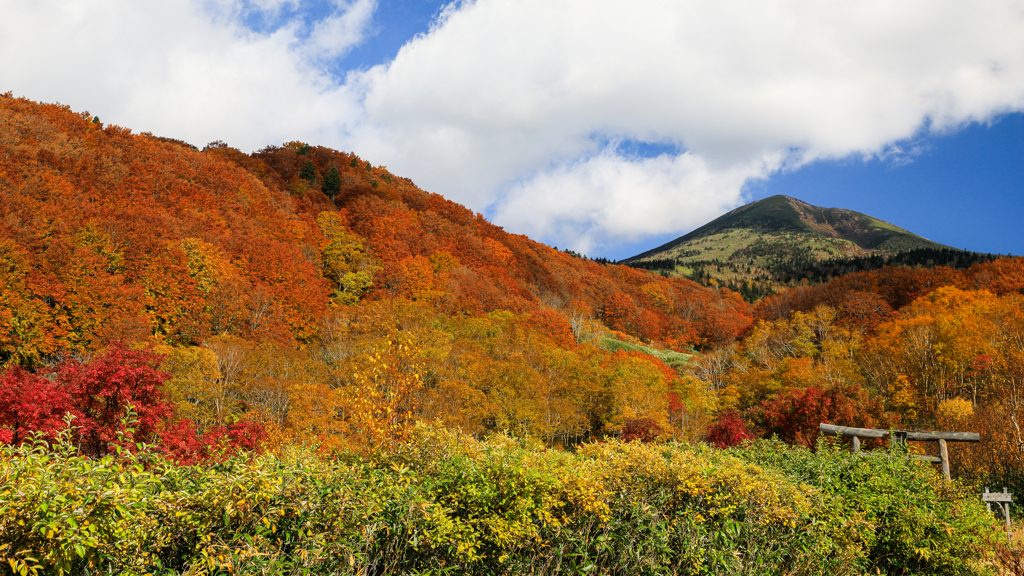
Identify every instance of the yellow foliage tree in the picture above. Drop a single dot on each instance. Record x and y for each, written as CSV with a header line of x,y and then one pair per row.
x,y
196,386
640,391
380,401
223,287
344,261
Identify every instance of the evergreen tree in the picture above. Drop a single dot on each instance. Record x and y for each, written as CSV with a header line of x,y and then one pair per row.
x,y
332,183
308,172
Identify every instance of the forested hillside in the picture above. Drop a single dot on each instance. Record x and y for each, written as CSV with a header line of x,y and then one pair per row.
x,y
301,291
294,360
910,348
332,302
324,298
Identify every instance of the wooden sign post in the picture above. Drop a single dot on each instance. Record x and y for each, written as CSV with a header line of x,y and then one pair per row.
x,y
1003,499
901,437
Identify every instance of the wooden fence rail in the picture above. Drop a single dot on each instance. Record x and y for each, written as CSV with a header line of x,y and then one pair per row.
x,y
902,436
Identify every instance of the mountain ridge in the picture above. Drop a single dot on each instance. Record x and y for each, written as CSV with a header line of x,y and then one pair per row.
x,y
110,236
780,240
782,213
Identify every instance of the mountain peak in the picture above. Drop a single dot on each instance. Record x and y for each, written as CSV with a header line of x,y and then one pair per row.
x,y
758,240
781,214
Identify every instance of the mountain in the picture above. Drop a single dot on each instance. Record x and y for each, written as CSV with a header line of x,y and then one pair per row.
x,y
847,231
782,239
106,235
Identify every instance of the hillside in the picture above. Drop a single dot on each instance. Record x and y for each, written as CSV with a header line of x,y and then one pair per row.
x,y
300,280
239,319
95,217
779,239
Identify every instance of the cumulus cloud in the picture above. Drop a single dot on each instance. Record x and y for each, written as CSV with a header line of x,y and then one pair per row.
x,y
338,33
190,70
607,198
515,107
506,90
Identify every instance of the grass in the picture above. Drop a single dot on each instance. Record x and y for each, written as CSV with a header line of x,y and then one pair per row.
x,y
669,357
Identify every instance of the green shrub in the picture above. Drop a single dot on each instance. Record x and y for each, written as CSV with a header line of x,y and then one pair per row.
x,y
445,503
897,513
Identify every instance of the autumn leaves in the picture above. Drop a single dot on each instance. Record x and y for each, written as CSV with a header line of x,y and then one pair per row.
x,y
332,304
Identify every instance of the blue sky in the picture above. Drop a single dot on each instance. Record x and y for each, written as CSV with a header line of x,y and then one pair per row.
x,y
394,23
598,125
965,189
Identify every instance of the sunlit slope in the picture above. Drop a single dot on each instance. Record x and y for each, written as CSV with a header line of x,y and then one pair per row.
x,y
107,235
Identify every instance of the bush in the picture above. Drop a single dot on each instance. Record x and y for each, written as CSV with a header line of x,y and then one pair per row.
x,y
898,514
728,430
445,503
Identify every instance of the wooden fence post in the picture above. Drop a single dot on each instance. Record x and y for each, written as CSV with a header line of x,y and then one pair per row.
x,y
898,437
1006,513
944,454
1003,499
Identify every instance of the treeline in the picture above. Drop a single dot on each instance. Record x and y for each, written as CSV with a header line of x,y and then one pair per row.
x,y
711,273
822,271
785,262
760,270
654,265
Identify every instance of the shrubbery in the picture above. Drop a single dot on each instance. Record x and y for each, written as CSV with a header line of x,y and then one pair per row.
x,y
445,503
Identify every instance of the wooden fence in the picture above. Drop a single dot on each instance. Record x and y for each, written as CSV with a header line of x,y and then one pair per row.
x,y
902,436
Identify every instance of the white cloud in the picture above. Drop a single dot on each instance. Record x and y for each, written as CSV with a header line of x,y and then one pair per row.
x,y
333,36
503,90
606,198
509,105
188,70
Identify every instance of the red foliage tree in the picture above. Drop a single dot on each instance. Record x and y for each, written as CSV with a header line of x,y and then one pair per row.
x,y
728,430
1000,276
864,310
619,312
794,414
556,325
101,391
98,394
645,430
30,403
184,445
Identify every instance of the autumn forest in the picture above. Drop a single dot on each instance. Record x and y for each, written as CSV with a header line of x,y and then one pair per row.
x,y
210,303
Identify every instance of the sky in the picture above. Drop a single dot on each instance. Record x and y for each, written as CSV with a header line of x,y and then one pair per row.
x,y
603,126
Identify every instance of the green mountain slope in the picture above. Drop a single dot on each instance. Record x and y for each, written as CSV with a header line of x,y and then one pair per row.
x,y
770,240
